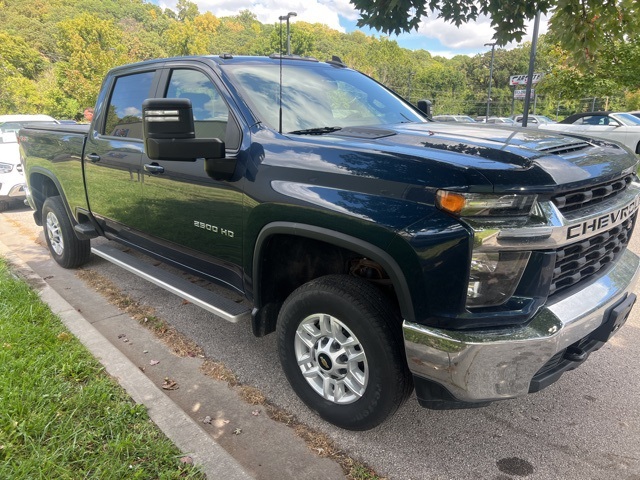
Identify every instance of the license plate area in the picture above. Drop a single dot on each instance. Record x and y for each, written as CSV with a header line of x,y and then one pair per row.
x,y
614,318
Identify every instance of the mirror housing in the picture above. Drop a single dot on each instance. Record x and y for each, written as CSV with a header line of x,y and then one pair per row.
x,y
425,107
169,132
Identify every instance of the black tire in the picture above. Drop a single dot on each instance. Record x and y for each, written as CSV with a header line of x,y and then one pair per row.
x,y
359,316
65,247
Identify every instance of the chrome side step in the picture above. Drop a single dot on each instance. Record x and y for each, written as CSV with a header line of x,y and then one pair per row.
x,y
212,302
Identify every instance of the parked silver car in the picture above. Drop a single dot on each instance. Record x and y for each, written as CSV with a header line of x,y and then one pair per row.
x,y
533,121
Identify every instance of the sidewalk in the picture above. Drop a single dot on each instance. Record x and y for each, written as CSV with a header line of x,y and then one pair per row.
x,y
255,447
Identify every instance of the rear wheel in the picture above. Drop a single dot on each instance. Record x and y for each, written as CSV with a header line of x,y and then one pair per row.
x,y
65,247
340,346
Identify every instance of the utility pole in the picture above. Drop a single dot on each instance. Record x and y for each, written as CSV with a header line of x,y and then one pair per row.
x,y
493,48
287,17
532,61
411,74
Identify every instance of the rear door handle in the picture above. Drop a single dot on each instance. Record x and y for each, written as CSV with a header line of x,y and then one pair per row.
x,y
153,168
93,157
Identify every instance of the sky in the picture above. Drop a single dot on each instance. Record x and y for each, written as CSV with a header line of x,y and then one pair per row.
x,y
434,35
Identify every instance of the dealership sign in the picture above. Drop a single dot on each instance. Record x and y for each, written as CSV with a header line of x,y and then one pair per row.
x,y
520,94
522,79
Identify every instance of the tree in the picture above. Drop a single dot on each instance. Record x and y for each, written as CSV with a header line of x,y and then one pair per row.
x,y
581,26
89,47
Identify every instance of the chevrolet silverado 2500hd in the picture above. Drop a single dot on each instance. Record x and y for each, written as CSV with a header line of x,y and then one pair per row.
x,y
388,252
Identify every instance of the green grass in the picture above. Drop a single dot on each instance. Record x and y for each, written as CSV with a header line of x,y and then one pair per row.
x,y
61,416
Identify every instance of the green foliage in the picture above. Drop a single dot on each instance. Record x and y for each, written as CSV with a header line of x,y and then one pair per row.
x,y
582,27
54,53
89,47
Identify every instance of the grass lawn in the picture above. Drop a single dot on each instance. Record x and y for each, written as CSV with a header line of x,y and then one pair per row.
x,y
61,415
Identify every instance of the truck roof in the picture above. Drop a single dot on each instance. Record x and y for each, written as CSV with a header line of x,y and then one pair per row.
x,y
227,59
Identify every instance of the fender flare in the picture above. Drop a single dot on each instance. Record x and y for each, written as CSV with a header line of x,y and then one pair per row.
x,y
341,240
38,208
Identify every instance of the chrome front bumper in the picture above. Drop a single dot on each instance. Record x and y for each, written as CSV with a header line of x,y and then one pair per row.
x,y
492,365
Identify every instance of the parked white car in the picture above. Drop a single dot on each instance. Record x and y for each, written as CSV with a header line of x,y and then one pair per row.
x,y
454,118
502,121
533,121
13,123
12,183
620,127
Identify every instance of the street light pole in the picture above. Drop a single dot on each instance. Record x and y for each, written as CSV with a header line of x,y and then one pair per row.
x,y
287,17
493,49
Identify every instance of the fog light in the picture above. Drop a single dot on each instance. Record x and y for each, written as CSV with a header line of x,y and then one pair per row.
x,y
494,277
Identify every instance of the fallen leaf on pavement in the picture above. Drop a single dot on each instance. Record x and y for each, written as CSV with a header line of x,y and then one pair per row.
x,y
255,413
237,431
169,384
154,362
207,419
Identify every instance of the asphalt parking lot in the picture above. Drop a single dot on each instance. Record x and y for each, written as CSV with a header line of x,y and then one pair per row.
x,y
585,426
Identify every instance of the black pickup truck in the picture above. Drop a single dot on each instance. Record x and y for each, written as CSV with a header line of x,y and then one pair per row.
x,y
388,252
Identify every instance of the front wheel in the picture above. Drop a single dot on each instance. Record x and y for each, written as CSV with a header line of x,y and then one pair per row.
x,y
340,346
65,247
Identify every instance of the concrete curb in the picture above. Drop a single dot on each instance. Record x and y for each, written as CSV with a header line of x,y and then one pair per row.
x,y
181,429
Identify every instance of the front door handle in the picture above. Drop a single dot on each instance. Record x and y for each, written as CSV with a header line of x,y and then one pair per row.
x,y
93,157
153,168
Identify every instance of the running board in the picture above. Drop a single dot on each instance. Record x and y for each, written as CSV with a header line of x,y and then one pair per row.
x,y
212,302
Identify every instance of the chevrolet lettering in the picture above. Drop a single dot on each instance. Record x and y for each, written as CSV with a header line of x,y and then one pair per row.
x,y
388,253
604,222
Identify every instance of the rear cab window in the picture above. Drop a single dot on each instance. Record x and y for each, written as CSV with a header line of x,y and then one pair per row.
x,y
124,111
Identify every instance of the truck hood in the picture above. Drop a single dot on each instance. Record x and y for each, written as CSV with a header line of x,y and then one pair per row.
x,y
500,154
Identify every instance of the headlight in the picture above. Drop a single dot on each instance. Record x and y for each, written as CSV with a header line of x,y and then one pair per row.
x,y
494,277
6,167
483,205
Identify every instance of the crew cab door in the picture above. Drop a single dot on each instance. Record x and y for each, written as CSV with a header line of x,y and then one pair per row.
x,y
193,219
113,154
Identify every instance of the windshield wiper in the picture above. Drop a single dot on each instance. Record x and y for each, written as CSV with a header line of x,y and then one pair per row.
x,y
316,131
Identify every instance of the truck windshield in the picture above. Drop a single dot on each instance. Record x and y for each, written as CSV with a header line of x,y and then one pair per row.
x,y
317,98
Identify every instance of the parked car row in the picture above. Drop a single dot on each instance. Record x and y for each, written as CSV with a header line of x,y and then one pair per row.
x,y
515,120
617,126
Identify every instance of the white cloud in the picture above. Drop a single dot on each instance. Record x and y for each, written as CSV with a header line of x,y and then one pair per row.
x,y
268,11
467,39
471,36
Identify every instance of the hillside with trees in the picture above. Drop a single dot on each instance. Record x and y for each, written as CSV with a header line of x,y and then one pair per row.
x,y
54,54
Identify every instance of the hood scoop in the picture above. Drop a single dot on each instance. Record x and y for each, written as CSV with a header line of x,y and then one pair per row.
x,y
564,149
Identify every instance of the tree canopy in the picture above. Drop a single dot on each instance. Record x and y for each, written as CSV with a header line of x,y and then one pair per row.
x,y
582,27
55,53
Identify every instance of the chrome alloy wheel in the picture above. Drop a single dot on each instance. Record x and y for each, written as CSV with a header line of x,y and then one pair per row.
x,y
331,359
54,233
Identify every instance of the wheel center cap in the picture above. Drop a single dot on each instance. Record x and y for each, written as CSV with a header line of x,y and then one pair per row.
x,y
325,361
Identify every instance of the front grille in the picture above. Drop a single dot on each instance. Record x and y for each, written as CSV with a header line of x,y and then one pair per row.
x,y
578,261
580,198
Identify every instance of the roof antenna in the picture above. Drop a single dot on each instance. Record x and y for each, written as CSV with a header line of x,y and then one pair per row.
x,y
280,96
284,17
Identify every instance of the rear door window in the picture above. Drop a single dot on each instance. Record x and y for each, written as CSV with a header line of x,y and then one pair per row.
x,y
124,112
